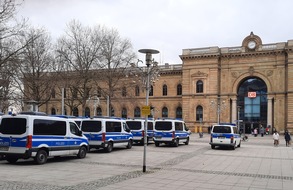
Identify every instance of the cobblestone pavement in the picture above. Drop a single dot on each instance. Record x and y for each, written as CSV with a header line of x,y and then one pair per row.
x,y
255,165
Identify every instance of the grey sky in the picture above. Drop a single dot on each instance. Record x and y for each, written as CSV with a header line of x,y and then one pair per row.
x,y
170,25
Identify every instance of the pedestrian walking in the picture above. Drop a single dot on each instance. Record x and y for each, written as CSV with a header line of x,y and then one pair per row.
x,y
287,138
276,138
261,131
255,132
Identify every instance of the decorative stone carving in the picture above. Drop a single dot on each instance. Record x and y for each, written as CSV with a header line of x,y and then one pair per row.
x,y
269,73
251,70
199,74
234,74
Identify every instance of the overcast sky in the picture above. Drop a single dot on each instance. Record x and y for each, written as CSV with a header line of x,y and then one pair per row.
x,y
170,25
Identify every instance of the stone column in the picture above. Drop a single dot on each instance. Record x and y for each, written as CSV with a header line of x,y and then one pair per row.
x,y
270,113
234,110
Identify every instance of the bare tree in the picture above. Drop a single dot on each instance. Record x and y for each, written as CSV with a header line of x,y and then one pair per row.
x,y
93,56
117,55
78,53
33,65
10,30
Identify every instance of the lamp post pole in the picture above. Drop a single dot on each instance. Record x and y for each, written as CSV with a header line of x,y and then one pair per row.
x,y
148,58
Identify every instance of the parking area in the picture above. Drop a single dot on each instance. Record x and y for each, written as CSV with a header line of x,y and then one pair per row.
x,y
257,164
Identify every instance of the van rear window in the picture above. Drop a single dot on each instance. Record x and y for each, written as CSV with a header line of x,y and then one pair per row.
x,y
222,129
13,126
49,127
150,126
163,126
134,125
91,126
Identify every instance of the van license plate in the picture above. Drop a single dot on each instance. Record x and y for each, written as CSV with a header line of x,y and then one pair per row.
x,y
221,137
4,148
158,137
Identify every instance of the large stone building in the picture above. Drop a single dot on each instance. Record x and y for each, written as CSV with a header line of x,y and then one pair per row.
x,y
251,84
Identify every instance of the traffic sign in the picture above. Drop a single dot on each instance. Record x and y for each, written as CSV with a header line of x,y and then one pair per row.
x,y
146,110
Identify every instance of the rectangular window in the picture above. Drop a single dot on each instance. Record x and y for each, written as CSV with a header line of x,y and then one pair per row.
x,y
13,126
49,127
222,129
91,126
112,126
178,126
163,125
252,107
134,125
150,126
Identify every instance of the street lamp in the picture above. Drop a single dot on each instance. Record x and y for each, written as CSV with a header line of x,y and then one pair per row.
x,y
148,58
220,106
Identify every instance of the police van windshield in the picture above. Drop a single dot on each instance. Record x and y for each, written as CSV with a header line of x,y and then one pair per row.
x,y
163,126
91,126
222,129
134,125
13,126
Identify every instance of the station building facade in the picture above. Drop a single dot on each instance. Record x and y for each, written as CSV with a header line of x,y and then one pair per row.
x,y
250,84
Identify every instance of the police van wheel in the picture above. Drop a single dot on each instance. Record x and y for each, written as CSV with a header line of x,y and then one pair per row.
x,y
239,144
233,147
129,145
213,146
157,144
176,144
187,141
11,160
81,152
109,147
41,157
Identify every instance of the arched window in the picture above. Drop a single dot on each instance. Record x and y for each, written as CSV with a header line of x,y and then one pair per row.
x,y
124,113
75,111
87,112
179,112
199,113
123,91
53,111
53,93
137,112
151,92
179,89
164,112
199,86
99,111
165,90
137,92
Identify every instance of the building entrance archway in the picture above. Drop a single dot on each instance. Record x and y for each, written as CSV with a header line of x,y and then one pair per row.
x,y
252,102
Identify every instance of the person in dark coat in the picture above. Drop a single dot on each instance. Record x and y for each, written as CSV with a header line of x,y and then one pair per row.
x,y
287,138
262,131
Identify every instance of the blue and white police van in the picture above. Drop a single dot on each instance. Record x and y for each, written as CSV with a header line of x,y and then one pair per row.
x,y
171,132
225,135
107,133
38,136
136,126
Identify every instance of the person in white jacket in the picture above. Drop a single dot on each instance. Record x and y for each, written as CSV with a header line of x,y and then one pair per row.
x,y
276,138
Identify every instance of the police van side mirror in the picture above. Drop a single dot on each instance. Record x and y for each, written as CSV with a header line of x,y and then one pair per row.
x,y
79,133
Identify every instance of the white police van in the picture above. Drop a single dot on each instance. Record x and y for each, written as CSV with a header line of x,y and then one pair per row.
x,y
38,136
170,131
225,135
107,133
136,125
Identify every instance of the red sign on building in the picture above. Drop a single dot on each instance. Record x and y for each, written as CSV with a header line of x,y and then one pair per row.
x,y
251,94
